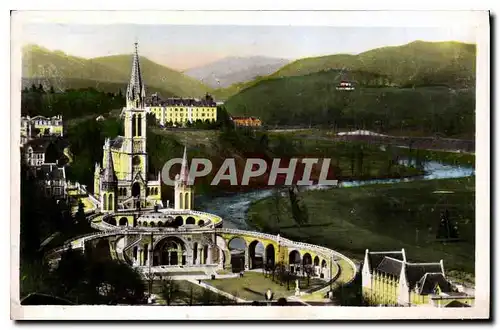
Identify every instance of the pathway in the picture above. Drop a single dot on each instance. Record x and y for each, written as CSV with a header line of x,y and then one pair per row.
x,y
214,289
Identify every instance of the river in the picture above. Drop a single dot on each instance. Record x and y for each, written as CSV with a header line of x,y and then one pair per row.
x,y
233,207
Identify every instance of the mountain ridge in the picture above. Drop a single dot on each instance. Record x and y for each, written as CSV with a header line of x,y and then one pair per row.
x,y
40,63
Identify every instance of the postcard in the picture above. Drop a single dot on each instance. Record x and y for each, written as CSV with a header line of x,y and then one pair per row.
x,y
238,165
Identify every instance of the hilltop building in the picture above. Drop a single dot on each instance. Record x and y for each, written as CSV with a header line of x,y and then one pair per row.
x,y
345,86
246,121
32,127
180,111
123,181
389,279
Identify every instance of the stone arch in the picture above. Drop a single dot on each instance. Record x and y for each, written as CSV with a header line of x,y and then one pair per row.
x,y
323,264
105,202
152,224
145,223
139,125
190,221
156,191
136,189
187,202
307,259
181,201
112,221
205,255
145,254
201,223
171,251
160,224
256,254
294,261
123,221
134,126
270,255
110,202
195,253
178,221
307,262
237,247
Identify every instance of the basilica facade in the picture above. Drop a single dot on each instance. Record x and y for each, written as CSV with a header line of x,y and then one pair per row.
x,y
121,181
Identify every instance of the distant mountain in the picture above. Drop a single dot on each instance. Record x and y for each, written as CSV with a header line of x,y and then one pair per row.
x,y
448,63
65,71
233,70
156,75
418,63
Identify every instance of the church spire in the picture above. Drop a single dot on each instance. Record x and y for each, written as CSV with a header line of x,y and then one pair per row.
x,y
109,175
184,168
136,93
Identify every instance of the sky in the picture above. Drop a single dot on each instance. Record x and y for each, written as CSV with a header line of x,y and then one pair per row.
x,y
187,46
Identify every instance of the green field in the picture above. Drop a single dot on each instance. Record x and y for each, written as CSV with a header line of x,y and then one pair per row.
x,y
383,217
189,294
253,285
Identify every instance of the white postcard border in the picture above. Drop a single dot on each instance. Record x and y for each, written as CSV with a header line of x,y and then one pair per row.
x,y
480,19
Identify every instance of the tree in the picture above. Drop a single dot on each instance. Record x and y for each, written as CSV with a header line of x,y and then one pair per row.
x,y
150,120
299,209
169,290
80,278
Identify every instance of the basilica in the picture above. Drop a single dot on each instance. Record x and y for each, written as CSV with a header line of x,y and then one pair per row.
x,y
122,181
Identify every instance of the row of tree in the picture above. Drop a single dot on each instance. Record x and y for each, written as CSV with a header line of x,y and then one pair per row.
x,y
70,103
78,278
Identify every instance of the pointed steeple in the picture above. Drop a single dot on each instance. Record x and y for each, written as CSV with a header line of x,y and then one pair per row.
x,y
136,93
184,168
109,175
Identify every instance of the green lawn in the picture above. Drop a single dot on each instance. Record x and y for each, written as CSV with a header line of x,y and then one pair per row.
x,y
253,285
384,217
189,293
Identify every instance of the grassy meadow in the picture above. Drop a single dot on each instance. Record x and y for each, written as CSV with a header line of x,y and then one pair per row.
x,y
383,217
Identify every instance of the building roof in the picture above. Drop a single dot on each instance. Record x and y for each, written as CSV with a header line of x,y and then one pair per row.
x,y
390,266
376,258
117,142
415,272
50,172
182,102
58,117
244,118
38,145
429,281
456,303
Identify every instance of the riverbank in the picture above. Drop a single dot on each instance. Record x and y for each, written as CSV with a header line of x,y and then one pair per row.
x,y
382,217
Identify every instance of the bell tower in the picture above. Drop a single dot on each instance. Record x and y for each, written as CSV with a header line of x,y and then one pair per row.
x,y
135,121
